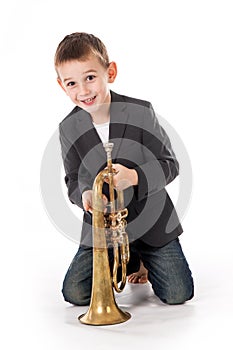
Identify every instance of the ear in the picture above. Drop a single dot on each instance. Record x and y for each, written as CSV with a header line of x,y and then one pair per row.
x,y
61,85
112,72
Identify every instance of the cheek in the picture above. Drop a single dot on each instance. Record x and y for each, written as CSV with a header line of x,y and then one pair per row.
x,y
71,94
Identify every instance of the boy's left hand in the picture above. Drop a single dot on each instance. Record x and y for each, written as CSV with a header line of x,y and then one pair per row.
x,y
124,177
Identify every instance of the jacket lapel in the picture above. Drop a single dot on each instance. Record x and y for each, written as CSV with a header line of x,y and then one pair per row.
x,y
89,141
118,122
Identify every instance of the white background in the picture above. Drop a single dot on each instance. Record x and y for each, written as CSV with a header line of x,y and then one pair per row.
x,y
178,55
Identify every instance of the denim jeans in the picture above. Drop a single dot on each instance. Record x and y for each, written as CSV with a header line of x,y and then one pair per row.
x,y
168,273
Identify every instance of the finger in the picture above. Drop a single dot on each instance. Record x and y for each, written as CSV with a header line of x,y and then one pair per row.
x,y
116,171
87,207
105,200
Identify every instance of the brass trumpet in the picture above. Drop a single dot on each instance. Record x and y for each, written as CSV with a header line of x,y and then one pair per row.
x,y
103,309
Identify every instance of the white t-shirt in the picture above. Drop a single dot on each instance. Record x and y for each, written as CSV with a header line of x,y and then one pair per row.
x,y
103,131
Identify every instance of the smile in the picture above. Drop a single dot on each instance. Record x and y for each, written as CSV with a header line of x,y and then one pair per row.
x,y
89,100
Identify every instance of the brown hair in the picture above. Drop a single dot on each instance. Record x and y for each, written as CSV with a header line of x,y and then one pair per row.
x,y
78,46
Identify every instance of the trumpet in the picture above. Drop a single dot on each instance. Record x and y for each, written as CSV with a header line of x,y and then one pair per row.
x,y
107,228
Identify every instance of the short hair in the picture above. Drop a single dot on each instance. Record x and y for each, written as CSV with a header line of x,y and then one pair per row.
x,y
78,46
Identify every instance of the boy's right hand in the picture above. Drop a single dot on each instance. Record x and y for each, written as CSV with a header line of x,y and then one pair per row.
x,y
87,200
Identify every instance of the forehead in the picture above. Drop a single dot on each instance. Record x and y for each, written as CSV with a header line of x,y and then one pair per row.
x,y
80,67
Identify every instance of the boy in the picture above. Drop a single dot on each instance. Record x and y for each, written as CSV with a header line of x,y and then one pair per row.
x,y
144,162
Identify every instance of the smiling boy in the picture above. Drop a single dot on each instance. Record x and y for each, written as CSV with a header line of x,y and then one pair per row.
x,y
143,159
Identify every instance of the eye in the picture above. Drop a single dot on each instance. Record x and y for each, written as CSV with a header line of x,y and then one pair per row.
x,y
71,83
90,77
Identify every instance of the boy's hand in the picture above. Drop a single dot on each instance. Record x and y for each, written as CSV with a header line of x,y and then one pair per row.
x,y
87,200
124,177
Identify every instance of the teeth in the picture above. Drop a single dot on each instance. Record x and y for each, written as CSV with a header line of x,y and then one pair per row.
x,y
89,100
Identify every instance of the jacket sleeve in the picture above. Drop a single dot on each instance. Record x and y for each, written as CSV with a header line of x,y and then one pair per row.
x,y
77,177
160,166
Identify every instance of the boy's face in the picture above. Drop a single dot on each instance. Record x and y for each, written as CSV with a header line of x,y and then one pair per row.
x,y
86,82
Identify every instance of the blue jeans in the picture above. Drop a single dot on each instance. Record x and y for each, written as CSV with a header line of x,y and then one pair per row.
x,y
168,273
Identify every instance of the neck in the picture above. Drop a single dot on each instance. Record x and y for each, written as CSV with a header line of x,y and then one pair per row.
x,y
102,114
100,118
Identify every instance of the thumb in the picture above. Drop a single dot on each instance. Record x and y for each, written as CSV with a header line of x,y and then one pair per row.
x,y
105,199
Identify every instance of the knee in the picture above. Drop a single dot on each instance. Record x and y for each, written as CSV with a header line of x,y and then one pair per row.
x,y
75,295
177,299
177,296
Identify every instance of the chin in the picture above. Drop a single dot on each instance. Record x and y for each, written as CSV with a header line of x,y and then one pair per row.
x,y
91,109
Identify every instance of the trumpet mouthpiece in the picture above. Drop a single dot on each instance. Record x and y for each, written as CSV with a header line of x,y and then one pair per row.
x,y
108,146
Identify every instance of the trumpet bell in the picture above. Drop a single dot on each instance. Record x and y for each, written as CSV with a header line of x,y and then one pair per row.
x,y
101,316
103,309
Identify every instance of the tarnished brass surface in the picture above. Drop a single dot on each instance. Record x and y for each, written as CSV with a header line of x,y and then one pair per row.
x,y
103,309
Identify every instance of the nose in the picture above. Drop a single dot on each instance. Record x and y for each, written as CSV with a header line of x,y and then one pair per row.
x,y
83,90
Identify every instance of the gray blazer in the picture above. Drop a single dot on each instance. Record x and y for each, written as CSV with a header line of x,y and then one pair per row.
x,y
140,143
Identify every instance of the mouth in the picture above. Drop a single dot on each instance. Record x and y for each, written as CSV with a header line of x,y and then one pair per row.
x,y
89,101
